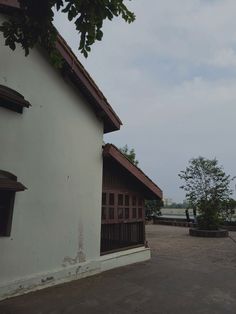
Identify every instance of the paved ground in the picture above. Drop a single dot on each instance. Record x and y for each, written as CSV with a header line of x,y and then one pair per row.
x,y
185,275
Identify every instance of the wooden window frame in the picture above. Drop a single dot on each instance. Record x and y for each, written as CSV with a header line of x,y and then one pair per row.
x,y
117,205
5,231
12,100
8,186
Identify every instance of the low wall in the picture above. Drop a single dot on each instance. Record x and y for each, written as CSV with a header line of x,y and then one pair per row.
x,y
180,222
229,228
208,233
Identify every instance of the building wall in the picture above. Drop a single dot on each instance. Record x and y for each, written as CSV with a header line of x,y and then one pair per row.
x,y
54,148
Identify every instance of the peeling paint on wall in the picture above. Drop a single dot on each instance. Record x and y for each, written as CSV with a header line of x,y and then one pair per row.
x,y
70,260
43,280
80,256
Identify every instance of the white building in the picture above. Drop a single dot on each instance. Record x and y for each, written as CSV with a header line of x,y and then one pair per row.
x,y
51,134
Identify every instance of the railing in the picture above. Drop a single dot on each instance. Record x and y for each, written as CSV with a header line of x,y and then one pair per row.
x,y
115,237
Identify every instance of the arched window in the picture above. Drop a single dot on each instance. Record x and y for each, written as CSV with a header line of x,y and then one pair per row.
x,y
8,187
12,100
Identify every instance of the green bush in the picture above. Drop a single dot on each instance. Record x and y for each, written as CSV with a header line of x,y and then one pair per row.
x,y
208,192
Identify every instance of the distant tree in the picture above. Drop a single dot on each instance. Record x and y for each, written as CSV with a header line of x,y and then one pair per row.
x,y
153,207
207,188
130,154
176,205
184,205
33,23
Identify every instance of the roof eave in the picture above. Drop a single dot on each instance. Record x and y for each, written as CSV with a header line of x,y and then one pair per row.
x,y
111,120
110,150
91,91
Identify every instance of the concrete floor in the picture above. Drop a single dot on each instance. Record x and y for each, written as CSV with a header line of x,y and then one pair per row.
x,y
185,275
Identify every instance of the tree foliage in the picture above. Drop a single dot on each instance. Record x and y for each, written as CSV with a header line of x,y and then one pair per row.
x,y
228,209
33,23
153,207
129,153
177,205
207,188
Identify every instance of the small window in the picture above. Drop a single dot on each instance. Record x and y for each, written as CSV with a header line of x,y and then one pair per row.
x,y
134,213
12,100
104,198
126,200
120,199
8,187
120,213
111,199
140,213
140,201
111,213
126,213
134,200
103,213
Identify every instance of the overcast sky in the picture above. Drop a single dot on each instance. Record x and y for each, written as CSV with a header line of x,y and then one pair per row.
x,y
171,78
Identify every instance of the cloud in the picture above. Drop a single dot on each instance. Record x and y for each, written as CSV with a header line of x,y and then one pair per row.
x,y
171,77
224,58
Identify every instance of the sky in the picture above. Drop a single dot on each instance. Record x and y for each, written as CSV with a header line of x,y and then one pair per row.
x,y
171,78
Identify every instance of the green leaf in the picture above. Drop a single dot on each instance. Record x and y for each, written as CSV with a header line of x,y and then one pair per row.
x,y
33,23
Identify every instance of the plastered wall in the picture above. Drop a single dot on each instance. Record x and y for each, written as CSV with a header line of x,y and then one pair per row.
x,y
55,149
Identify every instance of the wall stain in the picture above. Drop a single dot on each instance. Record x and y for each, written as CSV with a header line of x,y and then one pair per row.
x,y
80,256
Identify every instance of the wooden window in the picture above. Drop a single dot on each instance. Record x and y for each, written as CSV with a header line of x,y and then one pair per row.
x,y
111,213
134,200
6,211
104,213
104,199
140,213
120,199
120,213
134,213
111,199
140,201
126,200
119,206
12,100
8,187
